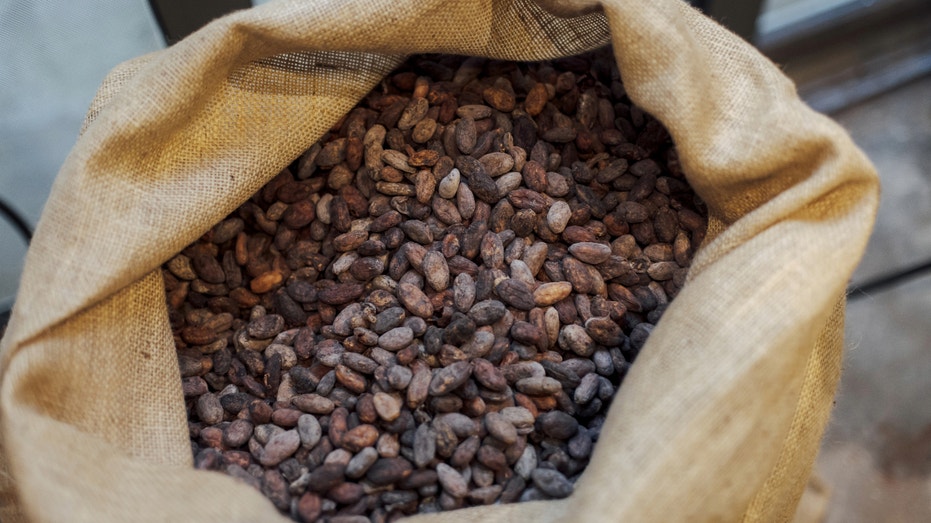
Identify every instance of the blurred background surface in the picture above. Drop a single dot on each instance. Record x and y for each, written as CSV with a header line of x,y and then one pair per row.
x,y
867,63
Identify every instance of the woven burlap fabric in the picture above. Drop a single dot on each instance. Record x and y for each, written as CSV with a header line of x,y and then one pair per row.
x,y
720,418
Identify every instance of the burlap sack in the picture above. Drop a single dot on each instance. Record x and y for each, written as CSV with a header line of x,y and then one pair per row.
x,y
720,418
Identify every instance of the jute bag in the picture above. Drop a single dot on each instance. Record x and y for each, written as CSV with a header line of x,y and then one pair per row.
x,y
720,418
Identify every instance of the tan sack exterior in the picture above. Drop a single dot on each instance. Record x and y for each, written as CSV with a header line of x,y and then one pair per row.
x,y
719,420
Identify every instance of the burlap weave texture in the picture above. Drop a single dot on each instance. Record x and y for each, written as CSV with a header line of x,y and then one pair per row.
x,y
720,418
